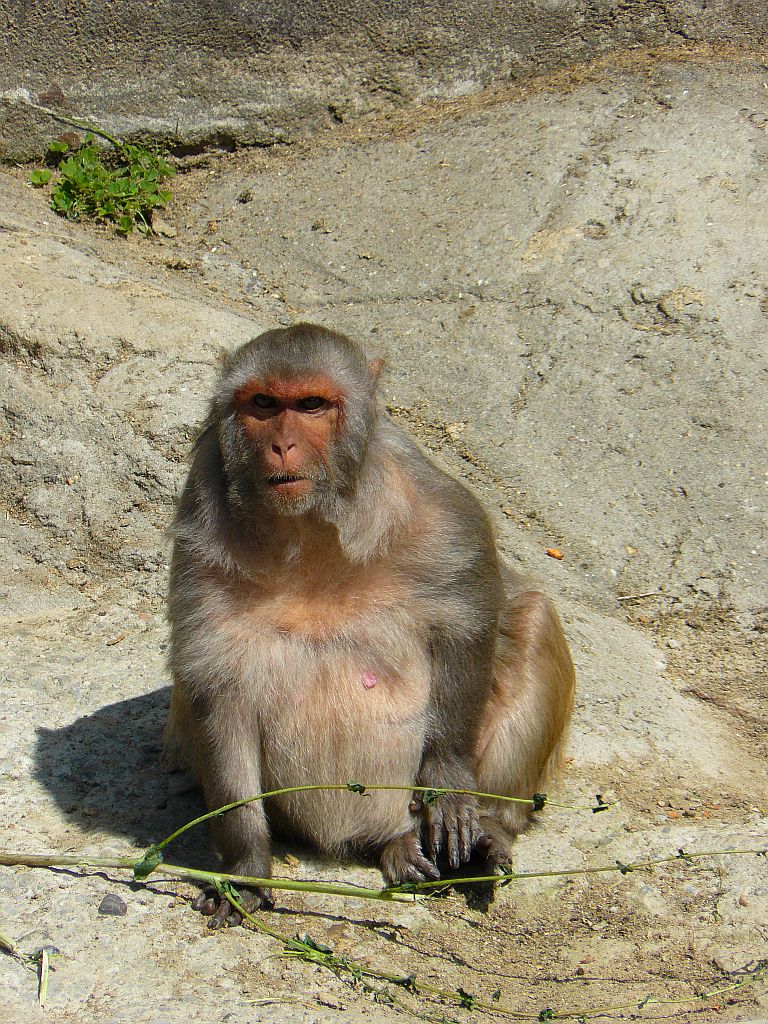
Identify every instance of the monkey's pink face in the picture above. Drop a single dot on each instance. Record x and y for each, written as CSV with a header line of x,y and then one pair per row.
x,y
292,425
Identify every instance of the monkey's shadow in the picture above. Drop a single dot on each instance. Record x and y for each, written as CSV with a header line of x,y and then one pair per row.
x,y
104,772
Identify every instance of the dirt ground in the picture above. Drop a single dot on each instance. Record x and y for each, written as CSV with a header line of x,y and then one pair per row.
x,y
568,282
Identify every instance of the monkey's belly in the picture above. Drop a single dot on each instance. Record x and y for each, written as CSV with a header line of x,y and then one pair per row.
x,y
340,717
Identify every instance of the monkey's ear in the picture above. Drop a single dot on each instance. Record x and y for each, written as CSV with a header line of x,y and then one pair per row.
x,y
376,366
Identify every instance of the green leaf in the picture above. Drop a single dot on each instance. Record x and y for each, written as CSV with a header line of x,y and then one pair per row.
x,y
225,888
468,1001
431,796
58,146
148,863
407,982
539,801
319,947
39,178
404,887
122,185
355,787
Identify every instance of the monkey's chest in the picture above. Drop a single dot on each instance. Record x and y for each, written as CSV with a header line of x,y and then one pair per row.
x,y
349,709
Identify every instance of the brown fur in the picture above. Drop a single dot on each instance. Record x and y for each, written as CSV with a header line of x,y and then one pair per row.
x,y
359,631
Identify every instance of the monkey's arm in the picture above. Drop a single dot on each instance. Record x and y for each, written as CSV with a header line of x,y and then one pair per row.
x,y
461,682
224,754
461,595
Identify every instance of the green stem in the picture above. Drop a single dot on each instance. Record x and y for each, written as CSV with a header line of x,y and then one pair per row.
x,y
515,876
289,884
348,786
76,123
35,860
340,964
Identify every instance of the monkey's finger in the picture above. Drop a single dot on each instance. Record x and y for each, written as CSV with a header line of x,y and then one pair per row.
x,y
205,902
453,845
220,915
420,870
435,832
466,841
427,870
476,831
258,899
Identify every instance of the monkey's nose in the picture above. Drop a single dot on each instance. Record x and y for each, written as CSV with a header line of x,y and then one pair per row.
x,y
283,448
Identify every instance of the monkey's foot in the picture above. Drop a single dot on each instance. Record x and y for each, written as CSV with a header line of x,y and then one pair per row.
x,y
222,913
402,860
495,842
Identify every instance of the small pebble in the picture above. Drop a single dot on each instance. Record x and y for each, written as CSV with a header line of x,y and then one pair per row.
x,y
113,906
674,644
50,950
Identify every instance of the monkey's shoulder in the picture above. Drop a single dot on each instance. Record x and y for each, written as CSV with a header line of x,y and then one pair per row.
x,y
433,489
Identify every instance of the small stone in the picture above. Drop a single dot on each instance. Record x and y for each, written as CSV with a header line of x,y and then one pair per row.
x,y
673,644
113,906
49,949
162,227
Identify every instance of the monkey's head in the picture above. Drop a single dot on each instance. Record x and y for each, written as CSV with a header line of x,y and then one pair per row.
x,y
295,410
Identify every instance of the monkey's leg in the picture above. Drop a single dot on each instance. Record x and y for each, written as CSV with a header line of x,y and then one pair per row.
x,y
221,743
526,718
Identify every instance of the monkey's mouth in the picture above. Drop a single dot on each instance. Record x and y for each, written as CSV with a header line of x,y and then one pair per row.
x,y
289,483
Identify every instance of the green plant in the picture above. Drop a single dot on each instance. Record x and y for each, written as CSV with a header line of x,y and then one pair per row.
x,y
122,185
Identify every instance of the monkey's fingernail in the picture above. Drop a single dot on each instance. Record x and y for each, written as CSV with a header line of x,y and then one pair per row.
x,y
430,870
415,806
453,850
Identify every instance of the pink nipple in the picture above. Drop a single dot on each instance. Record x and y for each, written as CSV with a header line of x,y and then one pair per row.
x,y
369,680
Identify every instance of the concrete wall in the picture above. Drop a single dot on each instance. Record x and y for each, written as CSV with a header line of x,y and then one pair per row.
x,y
219,72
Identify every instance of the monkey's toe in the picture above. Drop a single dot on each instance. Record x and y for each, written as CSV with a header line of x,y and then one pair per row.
x,y
495,842
402,860
221,912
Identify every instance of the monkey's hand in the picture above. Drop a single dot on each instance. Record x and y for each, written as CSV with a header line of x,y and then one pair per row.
x,y
450,821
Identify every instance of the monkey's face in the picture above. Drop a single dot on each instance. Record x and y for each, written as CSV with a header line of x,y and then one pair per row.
x,y
290,427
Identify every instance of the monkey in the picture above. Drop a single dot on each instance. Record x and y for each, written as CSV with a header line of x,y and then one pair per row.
x,y
339,612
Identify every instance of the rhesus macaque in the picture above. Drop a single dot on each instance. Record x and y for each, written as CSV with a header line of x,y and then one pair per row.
x,y
338,613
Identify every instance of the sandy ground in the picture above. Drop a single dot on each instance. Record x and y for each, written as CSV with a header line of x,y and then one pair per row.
x,y
568,282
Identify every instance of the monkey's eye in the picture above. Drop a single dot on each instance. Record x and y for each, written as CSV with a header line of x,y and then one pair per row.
x,y
264,401
312,404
